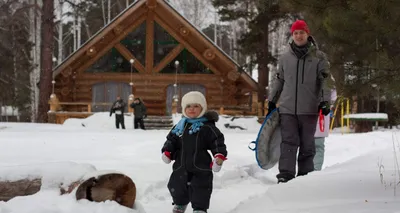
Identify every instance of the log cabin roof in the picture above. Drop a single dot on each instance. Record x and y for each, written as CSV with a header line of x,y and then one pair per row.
x,y
174,23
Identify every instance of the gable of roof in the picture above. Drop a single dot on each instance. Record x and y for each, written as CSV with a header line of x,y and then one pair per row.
x,y
168,9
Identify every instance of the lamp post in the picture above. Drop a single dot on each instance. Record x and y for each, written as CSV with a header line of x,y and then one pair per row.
x,y
176,96
377,102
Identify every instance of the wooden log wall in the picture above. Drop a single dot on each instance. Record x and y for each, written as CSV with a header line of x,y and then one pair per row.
x,y
151,88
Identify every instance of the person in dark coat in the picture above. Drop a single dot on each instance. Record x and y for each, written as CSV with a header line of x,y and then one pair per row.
x,y
118,108
140,112
187,144
298,85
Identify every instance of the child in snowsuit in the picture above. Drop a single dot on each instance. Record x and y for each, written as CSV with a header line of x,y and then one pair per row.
x,y
187,144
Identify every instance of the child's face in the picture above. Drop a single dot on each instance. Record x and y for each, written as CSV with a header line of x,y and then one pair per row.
x,y
193,110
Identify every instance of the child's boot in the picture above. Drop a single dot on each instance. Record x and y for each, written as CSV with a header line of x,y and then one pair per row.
x,y
179,208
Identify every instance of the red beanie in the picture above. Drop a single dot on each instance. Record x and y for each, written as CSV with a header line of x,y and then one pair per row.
x,y
300,25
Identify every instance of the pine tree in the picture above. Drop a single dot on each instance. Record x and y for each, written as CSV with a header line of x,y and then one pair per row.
x,y
262,17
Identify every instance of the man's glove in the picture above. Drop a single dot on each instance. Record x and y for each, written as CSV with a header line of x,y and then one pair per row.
x,y
216,164
324,106
166,157
271,107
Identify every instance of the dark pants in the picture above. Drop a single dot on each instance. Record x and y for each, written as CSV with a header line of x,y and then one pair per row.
x,y
137,122
119,119
195,188
297,133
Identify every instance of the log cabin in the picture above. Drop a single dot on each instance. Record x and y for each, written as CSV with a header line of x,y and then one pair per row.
x,y
152,52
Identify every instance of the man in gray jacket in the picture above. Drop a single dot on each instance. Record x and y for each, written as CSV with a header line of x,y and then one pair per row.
x,y
298,85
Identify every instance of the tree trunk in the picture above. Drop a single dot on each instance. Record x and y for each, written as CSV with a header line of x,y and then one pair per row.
x,y
35,53
74,26
113,186
46,53
103,9
60,33
108,11
79,33
263,57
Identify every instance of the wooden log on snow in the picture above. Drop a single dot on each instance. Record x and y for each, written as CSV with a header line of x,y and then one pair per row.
x,y
117,187
11,189
112,186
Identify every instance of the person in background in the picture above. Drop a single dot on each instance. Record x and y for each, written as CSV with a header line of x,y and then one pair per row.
x,y
118,108
188,144
319,138
140,113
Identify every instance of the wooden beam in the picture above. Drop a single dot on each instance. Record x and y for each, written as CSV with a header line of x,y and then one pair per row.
x,y
246,78
132,12
154,78
133,26
151,4
128,55
176,35
150,41
169,57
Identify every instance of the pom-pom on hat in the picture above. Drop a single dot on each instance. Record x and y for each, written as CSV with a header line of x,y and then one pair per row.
x,y
300,25
194,97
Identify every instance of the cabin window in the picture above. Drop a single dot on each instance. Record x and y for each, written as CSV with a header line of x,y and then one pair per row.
x,y
164,43
135,42
188,64
112,61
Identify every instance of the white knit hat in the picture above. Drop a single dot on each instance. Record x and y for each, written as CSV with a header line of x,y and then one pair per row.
x,y
194,97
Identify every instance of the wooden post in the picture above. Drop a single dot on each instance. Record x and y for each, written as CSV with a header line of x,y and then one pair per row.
x,y
174,107
221,110
150,39
260,110
130,101
254,103
265,107
54,103
89,107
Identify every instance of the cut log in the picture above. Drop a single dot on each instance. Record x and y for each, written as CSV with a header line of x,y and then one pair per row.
x,y
117,187
11,189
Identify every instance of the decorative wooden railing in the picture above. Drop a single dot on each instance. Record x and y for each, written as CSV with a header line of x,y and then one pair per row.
x,y
60,111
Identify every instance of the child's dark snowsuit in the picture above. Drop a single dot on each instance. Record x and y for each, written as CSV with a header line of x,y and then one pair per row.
x,y
192,177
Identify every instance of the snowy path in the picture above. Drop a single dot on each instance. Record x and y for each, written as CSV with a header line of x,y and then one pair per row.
x,y
137,154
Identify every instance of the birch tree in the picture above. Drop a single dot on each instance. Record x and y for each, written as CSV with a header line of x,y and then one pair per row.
x,y
35,28
60,31
196,11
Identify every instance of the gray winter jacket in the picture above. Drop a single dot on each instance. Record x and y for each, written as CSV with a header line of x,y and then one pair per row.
x,y
299,83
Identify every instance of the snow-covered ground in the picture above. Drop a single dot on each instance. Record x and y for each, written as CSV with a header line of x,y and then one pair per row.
x,y
360,172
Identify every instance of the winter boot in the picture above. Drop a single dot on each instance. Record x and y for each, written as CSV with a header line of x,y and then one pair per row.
x,y
179,209
283,180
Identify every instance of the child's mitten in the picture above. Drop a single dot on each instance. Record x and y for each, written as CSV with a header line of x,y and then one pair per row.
x,y
216,164
166,157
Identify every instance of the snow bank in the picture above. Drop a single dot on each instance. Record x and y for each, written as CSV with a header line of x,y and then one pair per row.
x,y
382,116
52,174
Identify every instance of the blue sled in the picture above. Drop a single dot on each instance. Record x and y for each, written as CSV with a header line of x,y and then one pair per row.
x,y
267,144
